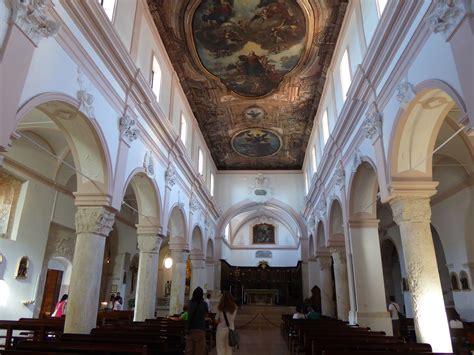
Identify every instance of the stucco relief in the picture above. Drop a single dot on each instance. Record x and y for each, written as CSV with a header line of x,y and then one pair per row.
x,y
86,100
127,127
446,15
9,193
372,124
356,160
95,220
170,176
149,164
405,93
32,18
321,207
339,175
194,204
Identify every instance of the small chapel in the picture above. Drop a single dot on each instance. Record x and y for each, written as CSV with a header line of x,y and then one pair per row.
x,y
308,163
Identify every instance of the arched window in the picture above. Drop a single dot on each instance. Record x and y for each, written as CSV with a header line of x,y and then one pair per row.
x,y
200,162
454,282
313,159
212,185
156,78
325,123
183,130
464,280
109,7
345,73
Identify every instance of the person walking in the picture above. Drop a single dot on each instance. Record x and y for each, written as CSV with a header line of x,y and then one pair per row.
x,y
197,313
394,310
60,309
226,312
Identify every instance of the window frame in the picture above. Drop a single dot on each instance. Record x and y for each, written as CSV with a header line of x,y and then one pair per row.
x,y
200,162
211,184
183,123
152,79
344,94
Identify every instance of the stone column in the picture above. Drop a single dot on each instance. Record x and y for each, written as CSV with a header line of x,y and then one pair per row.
x,y
210,277
178,279
327,293
368,273
198,271
413,213
93,224
149,243
341,281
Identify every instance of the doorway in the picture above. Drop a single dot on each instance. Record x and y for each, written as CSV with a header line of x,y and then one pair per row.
x,y
52,288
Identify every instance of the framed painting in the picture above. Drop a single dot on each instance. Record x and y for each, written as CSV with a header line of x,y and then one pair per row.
x,y
263,233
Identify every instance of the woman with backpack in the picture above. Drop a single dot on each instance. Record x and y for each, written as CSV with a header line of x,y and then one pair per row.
x,y
226,311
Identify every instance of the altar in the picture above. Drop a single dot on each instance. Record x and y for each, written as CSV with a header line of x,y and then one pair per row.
x,y
261,296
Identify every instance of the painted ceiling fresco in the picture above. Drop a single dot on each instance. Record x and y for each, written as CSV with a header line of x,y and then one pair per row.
x,y
253,72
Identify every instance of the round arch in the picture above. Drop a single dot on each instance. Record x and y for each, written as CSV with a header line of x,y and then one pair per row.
x,y
148,198
84,137
177,224
423,118
196,239
363,192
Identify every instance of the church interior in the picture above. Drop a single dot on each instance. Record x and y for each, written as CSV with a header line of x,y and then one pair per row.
x,y
313,154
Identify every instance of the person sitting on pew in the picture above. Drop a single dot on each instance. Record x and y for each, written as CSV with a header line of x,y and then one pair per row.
x,y
312,314
454,319
183,316
299,313
118,302
394,310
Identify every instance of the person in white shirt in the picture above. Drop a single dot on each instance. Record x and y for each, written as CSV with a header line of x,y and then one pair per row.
x,y
226,308
299,313
394,310
208,301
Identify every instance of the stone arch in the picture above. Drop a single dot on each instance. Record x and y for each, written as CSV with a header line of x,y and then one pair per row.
x,y
336,222
85,139
320,237
363,192
210,250
148,198
196,239
312,247
177,224
422,117
248,204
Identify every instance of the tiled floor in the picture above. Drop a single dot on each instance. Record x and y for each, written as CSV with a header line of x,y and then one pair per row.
x,y
260,336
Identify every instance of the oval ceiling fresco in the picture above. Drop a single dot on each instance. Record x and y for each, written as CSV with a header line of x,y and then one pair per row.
x,y
256,142
250,45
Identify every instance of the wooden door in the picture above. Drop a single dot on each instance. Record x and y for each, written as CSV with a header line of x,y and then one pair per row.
x,y
51,292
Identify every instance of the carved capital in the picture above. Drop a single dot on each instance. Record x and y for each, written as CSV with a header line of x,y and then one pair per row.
x,y
405,93
170,176
32,19
179,256
339,255
446,16
96,220
411,209
149,243
372,125
324,262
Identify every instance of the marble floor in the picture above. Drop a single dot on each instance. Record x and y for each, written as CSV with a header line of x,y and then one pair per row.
x,y
260,335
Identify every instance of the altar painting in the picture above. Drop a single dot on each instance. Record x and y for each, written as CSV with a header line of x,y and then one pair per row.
x,y
263,233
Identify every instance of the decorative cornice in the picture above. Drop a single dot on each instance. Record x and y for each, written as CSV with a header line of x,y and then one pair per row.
x,y
32,19
94,220
446,16
405,93
372,125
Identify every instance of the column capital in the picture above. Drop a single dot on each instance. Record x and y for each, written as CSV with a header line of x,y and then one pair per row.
x,y
411,209
338,254
179,256
197,255
324,262
364,223
149,230
178,244
96,220
148,243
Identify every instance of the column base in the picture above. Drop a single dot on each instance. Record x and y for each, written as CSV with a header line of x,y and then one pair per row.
x,y
352,317
377,321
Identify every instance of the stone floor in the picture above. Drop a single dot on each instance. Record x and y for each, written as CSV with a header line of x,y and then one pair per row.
x,y
259,331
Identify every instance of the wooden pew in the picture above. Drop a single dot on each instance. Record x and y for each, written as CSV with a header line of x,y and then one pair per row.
x,y
37,330
318,348
82,348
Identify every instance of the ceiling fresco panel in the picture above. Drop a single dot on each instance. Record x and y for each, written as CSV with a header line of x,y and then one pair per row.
x,y
253,72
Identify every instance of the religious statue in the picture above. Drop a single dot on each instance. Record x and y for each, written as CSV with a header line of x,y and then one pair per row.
x,y
22,270
168,288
